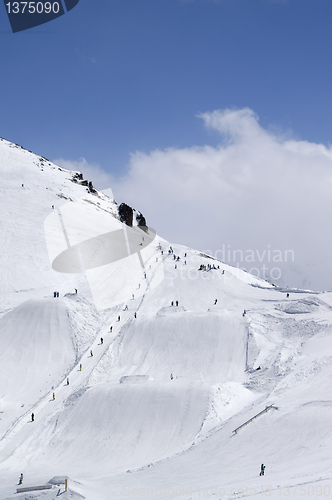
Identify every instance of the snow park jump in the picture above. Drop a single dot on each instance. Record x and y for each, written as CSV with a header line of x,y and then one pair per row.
x,y
151,413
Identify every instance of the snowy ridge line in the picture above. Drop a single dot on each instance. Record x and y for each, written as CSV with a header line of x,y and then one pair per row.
x,y
255,416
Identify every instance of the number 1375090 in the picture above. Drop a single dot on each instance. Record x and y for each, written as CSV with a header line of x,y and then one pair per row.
x,y
32,7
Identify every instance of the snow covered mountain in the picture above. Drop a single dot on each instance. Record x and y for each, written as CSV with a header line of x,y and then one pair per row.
x,y
153,411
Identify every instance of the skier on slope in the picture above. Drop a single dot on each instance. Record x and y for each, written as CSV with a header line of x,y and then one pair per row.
x,y
32,417
262,470
91,354
67,380
216,300
171,376
101,340
53,396
20,481
111,328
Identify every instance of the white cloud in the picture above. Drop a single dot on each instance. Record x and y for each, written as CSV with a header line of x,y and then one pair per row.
x,y
254,190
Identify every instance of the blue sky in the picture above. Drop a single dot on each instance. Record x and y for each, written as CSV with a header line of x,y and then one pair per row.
x,y
113,78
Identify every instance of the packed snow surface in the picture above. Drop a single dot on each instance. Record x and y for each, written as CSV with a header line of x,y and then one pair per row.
x,y
151,406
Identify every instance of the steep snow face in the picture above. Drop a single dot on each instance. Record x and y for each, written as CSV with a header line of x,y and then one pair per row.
x,y
30,187
166,353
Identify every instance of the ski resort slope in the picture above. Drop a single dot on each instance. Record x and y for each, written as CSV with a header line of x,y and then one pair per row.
x,y
151,410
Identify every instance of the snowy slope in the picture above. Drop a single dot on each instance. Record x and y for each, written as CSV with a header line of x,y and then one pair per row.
x,y
122,427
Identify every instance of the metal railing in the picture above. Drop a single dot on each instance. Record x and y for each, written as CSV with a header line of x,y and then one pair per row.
x,y
252,418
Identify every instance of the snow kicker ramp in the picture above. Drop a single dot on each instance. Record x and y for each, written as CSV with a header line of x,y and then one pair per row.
x,y
36,351
120,426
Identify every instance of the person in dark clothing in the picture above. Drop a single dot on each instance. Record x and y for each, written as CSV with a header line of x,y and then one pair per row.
x,y
75,290
101,340
118,318
111,328
135,315
216,300
32,417
177,302
262,470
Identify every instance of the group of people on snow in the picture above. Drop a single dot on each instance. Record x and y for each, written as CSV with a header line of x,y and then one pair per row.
x,y
203,267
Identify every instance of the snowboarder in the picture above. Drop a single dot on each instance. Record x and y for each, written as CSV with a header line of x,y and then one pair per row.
x,y
53,396
287,295
185,255
216,300
20,481
80,367
54,294
244,312
91,354
175,267
101,340
118,318
262,470
67,381
75,290
111,328
172,303
135,315
176,302
171,376
57,294
144,275
32,417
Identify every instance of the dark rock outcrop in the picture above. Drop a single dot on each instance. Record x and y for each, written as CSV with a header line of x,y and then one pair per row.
x,y
126,214
140,220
